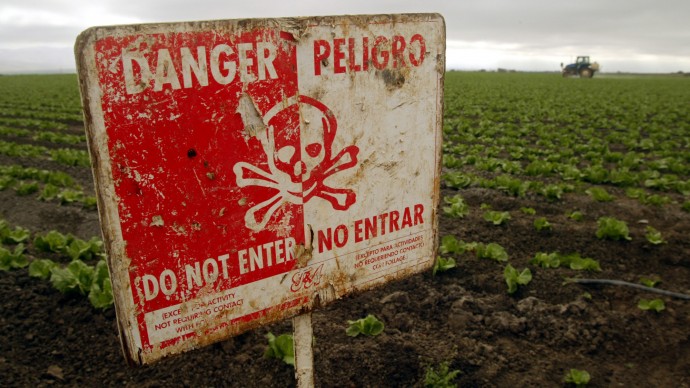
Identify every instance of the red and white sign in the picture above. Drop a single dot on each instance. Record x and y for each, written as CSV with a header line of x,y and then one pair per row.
x,y
250,170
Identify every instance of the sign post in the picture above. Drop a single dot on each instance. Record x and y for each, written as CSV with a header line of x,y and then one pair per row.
x,y
248,171
304,357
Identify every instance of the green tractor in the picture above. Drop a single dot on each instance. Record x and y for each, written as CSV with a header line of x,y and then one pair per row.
x,y
582,67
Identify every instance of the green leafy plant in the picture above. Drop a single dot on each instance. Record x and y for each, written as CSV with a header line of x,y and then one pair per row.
x,y
6,182
42,268
26,188
443,378
91,281
656,305
546,260
655,199
12,259
12,236
653,236
584,264
496,217
49,192
512,186
577,377
491,251
101,292
553,192
80,249
572,260
53,241
75,248
576,262
600,194
649,282
457,207
576,215
369,326
514,278
280,347
77,276
612,229
541,224
443,264
528,210
451,245
457,180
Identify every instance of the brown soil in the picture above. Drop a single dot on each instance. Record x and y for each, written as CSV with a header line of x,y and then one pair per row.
x,y
463,316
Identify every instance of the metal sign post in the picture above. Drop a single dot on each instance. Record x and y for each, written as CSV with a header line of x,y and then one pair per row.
x,y
251,170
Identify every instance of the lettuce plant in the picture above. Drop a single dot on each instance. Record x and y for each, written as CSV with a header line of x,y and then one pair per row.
x,y
528,210
457,207
443,378
77,276
649,282
451,245
101,292
656,305
49,192
91,281
576,215
12,259
514,278
491,251
600,194
653,236
443,264
52,241
26,188
41,268
496,217
612,229
69,245
546,260
281,347
457,180
12,236
572,260
369,326
577,377
542,224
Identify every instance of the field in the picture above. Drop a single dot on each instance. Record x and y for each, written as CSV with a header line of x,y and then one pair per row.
x,y
546,182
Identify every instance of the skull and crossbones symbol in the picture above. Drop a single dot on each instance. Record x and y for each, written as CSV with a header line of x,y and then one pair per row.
x,y
297,136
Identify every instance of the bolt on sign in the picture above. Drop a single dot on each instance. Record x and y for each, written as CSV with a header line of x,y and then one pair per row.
x,y
251,170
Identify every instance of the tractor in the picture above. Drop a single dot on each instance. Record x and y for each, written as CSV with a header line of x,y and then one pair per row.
x,y
582,67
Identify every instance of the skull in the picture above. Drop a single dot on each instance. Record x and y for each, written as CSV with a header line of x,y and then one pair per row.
x,y
304,140
298,140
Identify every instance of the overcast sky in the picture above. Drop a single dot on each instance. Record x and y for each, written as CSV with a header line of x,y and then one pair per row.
x,y
622,35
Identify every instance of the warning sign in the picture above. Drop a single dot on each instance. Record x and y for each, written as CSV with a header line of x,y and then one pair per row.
x,y
250,170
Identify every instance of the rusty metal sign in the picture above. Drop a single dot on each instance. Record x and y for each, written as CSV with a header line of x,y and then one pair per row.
x,y
251,170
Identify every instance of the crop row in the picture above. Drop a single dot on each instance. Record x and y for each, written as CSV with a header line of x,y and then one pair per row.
x,y
31,123
65,156
47,136
50,185
76,277
41,93
526,134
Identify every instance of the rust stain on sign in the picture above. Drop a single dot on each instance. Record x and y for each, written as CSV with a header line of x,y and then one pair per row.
x,y
250,170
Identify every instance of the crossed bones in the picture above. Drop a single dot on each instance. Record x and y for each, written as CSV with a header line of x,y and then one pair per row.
x,y
298,193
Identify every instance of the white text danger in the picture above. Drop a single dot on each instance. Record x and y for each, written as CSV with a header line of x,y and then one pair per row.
x,y
248,62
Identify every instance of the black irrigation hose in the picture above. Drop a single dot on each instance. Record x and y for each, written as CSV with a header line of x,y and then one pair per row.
x,y
633,285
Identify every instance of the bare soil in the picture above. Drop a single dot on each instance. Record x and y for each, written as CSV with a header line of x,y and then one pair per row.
x,y
464,316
